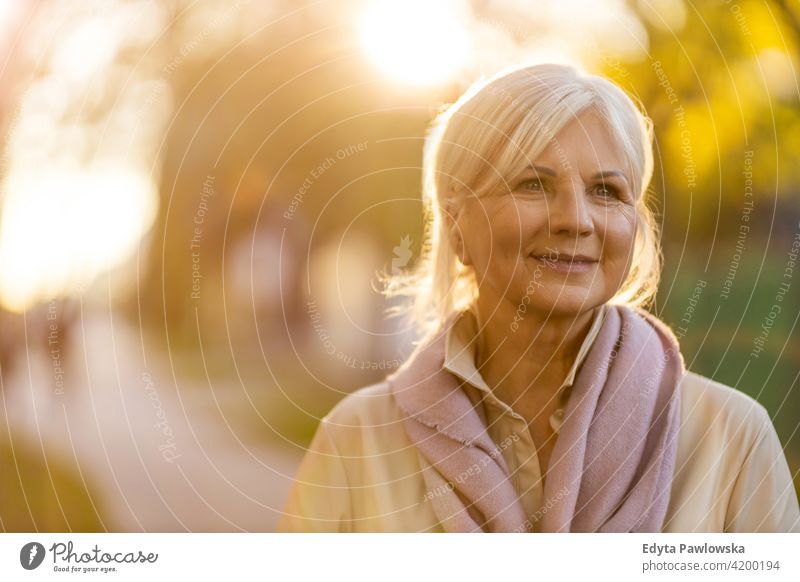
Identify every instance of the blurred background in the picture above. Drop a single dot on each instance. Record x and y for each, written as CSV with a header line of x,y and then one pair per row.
x,y
196,198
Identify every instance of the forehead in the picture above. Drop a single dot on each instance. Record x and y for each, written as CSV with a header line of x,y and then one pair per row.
x,y
587,140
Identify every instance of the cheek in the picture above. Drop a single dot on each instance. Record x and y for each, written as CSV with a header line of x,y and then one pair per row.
x,y
619,238
495,236
512,231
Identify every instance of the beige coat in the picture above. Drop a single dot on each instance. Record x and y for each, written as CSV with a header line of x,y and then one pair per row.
x,y
362,474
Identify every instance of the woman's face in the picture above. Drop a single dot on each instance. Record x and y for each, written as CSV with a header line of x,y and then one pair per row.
x,y
561,240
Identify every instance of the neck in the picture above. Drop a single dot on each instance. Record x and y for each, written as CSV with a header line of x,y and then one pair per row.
x,y
531,358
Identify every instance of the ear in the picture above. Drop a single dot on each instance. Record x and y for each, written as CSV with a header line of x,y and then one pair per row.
x,y
455,230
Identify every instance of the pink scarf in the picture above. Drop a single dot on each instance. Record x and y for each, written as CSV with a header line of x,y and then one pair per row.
x,y
612,465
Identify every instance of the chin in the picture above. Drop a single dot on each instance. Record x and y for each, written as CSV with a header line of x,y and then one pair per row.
x,y
565,301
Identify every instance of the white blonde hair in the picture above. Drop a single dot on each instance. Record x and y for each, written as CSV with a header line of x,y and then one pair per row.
x,y
487,138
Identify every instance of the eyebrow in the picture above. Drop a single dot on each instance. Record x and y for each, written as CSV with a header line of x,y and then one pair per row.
x,y
605,174
610,174
544,170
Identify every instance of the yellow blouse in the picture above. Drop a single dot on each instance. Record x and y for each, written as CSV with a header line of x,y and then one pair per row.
x,y
362,474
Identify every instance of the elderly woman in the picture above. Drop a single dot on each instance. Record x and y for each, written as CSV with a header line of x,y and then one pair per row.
x,y
543,397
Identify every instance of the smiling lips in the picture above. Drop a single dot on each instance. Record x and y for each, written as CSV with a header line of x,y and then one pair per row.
x,y
567,263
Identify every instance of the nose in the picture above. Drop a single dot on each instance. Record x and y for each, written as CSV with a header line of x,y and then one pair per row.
x,y
568,211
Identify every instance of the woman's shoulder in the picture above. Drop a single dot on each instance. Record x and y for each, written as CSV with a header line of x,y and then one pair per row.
x,y
729,455
369,425
710,408
369,407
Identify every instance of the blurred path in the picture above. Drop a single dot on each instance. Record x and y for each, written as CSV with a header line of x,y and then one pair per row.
x,y
156,458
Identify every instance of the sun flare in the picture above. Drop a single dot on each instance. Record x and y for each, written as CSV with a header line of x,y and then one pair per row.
x,y
414,41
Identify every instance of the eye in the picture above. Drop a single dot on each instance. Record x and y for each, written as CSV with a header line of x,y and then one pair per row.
x,y
606,190
533,185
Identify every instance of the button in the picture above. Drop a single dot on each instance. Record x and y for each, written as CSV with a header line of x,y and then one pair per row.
x,y
557,419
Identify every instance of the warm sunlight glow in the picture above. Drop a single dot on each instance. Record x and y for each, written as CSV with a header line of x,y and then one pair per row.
x,y
61,228
415,41
86,49
6,9
78,189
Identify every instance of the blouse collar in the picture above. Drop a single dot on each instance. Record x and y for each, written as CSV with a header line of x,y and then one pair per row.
x,y
459,359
